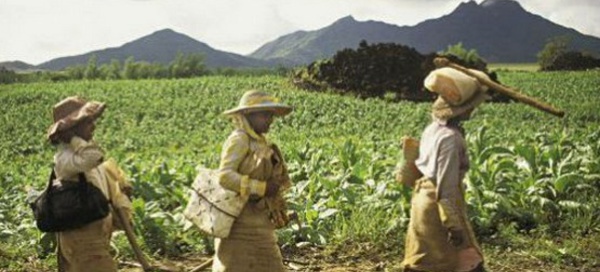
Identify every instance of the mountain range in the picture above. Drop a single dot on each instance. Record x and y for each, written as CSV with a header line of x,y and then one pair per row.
x,y
500,31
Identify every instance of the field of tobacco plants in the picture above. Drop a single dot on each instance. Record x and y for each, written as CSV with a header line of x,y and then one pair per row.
x,y
533,187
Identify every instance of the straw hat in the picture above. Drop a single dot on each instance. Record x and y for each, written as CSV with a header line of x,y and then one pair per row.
x,y
458,92
71,111
253,101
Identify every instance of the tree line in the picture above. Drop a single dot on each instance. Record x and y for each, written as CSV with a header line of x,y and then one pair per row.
x,y
376,78
184,66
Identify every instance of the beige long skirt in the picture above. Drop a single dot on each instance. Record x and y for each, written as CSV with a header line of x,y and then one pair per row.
x,y
251,245
427,247
87,248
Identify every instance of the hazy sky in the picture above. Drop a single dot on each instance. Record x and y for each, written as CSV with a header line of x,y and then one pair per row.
x,y
36,31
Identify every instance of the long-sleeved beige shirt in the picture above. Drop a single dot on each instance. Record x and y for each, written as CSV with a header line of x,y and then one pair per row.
x,y
248,161
87,157
245,164
80,156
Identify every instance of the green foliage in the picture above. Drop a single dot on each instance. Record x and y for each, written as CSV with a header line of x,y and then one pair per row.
x,y
91,70
469,56
187,66
75,72
8,76
370,71
530,172
553,48
556,57
112,70
573,61
386,70
459,51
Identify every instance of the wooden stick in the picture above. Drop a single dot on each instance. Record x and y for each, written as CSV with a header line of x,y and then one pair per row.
x,y
444,62
204,265
59,257
132,264
139,255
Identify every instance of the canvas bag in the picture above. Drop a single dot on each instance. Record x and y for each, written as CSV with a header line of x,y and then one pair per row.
x,y
408,173
70,206
211,207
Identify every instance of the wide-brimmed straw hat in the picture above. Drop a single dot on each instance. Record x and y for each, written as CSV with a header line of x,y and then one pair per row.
x,y
458,92
72,111
254,100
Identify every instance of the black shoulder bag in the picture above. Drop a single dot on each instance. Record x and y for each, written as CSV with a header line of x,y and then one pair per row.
x,y
70,206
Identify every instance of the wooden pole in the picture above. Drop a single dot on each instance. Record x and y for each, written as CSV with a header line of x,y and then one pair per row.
x,y
444,62
139,255
204,265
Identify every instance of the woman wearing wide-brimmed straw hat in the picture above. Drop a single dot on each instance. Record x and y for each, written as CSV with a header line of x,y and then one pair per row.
x,y
253,167
439,236
74,121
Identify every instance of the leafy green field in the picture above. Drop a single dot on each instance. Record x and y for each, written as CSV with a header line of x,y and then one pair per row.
x,y
527,67
534,184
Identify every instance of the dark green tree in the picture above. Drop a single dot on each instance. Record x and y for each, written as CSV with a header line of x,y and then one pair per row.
x,y
552,50
7,76
185,66
129,69
75,72
91,70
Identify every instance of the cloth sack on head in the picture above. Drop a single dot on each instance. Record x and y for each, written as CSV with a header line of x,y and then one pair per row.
x,y
458,92
255,100
70,112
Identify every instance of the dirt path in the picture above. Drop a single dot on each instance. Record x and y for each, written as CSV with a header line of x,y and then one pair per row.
x,y
355,260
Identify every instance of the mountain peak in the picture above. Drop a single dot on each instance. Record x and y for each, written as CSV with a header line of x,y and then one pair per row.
x,y
492,3
167,38
348,20
466,6
501,4
165,31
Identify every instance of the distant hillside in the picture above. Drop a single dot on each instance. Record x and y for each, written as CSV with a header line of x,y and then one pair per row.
x,y
17,66
307,46
500,31
162,47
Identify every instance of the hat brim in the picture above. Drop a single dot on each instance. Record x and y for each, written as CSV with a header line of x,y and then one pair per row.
x,y
443,110
90,111
277,109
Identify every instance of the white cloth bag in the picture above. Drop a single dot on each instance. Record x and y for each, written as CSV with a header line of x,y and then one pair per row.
x,y
211,207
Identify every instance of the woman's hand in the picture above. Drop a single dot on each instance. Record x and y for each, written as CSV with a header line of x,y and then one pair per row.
x,y
456,237
272,189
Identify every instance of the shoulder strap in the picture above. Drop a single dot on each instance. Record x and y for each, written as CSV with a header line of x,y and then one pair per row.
x,y
51,179
81,177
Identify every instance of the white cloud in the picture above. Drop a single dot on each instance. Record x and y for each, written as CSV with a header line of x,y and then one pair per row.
x,y
581,15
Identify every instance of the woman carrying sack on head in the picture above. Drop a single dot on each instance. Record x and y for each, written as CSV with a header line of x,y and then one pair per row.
x,y
439,236
253,167
85,248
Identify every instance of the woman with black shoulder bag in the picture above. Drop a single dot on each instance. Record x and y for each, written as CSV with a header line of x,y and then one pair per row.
x,y
80,159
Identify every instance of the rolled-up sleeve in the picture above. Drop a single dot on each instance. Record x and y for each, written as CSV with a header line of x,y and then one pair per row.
x,y
82,156
448,182
235,149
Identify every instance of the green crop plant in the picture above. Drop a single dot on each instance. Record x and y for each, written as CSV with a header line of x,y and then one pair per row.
x,y
530,172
